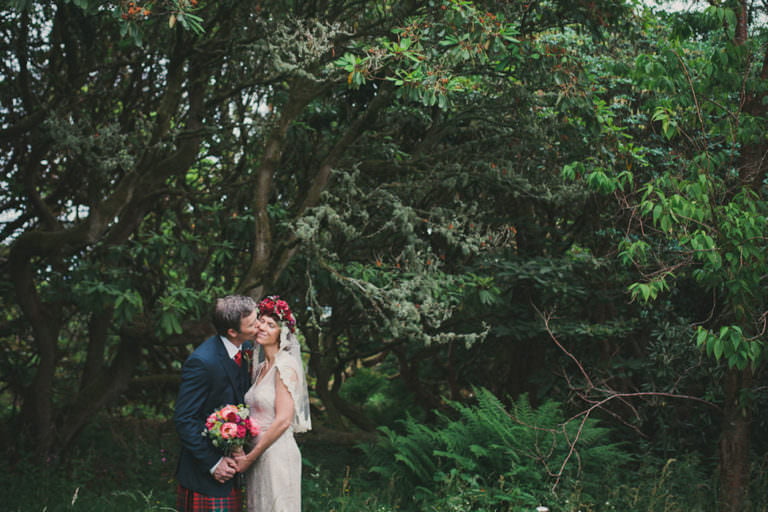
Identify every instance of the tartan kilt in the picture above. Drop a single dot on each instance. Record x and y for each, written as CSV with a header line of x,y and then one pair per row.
x,y
188,500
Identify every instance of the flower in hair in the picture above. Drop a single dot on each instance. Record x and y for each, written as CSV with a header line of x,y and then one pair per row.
x,y
277,307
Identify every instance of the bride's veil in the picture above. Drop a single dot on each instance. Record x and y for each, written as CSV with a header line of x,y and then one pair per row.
x,y
289,343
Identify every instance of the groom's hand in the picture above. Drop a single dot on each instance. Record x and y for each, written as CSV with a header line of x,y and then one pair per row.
x,y
225,470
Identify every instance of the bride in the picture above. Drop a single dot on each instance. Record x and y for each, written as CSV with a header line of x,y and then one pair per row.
x,y
279,403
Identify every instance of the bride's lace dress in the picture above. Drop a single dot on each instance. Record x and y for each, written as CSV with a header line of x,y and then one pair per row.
x,y
273,482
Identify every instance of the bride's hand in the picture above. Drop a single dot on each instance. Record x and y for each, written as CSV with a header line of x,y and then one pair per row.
x,y
238,452
242,461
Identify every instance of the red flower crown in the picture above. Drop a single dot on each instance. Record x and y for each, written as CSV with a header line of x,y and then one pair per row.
x,y
277,307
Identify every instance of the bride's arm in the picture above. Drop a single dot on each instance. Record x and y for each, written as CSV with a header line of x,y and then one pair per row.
x,y
283,418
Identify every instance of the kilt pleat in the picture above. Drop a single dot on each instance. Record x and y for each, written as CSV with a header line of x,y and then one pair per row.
x,y
188,500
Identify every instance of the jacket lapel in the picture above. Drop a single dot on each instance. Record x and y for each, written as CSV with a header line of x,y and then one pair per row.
x,y
231,369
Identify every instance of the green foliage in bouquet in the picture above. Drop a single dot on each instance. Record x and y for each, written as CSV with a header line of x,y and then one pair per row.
x,y
484,457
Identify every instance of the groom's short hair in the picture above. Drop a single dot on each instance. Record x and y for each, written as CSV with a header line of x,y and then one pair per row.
x,y
230,310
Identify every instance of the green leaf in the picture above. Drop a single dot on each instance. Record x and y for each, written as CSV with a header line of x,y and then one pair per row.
x,y
717,348
701,336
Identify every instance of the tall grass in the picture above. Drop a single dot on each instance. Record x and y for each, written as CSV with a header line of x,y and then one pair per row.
x,y
118,464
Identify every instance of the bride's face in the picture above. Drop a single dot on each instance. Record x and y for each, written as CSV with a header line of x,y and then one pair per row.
x,y
267,331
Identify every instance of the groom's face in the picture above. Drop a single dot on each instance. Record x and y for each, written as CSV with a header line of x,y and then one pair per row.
x,y
247,330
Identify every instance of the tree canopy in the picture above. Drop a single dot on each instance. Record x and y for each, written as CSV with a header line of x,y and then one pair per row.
x,y
449,193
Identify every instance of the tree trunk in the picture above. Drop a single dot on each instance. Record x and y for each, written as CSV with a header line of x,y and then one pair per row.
x,y
409,372
103,388
322,362
259,277
37,410
734,442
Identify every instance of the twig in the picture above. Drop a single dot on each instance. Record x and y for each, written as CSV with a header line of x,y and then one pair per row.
x,y
557,342
595,404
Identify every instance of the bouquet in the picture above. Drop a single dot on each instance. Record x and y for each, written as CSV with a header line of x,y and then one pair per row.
x,y
229,427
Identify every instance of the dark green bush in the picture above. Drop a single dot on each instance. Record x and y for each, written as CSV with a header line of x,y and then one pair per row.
x,y
383,401
481,457
486,458
118,464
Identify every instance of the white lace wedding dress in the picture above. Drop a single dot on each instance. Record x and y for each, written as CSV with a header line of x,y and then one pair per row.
x,y
273,482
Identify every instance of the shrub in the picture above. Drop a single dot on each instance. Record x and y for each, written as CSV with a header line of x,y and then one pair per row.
x,y
485,458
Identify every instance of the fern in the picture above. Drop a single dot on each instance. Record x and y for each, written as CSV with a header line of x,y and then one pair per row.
x,y
494,458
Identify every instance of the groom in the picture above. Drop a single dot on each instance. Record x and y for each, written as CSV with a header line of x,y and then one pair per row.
x,y
214,375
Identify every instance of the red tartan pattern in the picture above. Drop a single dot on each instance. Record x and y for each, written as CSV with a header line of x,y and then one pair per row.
x,y
191,501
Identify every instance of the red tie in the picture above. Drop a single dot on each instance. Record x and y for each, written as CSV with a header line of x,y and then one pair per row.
x,y
239,358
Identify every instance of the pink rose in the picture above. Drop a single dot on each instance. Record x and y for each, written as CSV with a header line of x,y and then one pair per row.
x,y
210,421
241,431
229,430
229,413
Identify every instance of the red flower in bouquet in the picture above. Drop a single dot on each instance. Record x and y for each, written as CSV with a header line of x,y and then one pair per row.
x,y
229,427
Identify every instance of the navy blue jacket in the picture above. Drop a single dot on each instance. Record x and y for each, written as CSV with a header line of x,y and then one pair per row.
x,y
209,379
